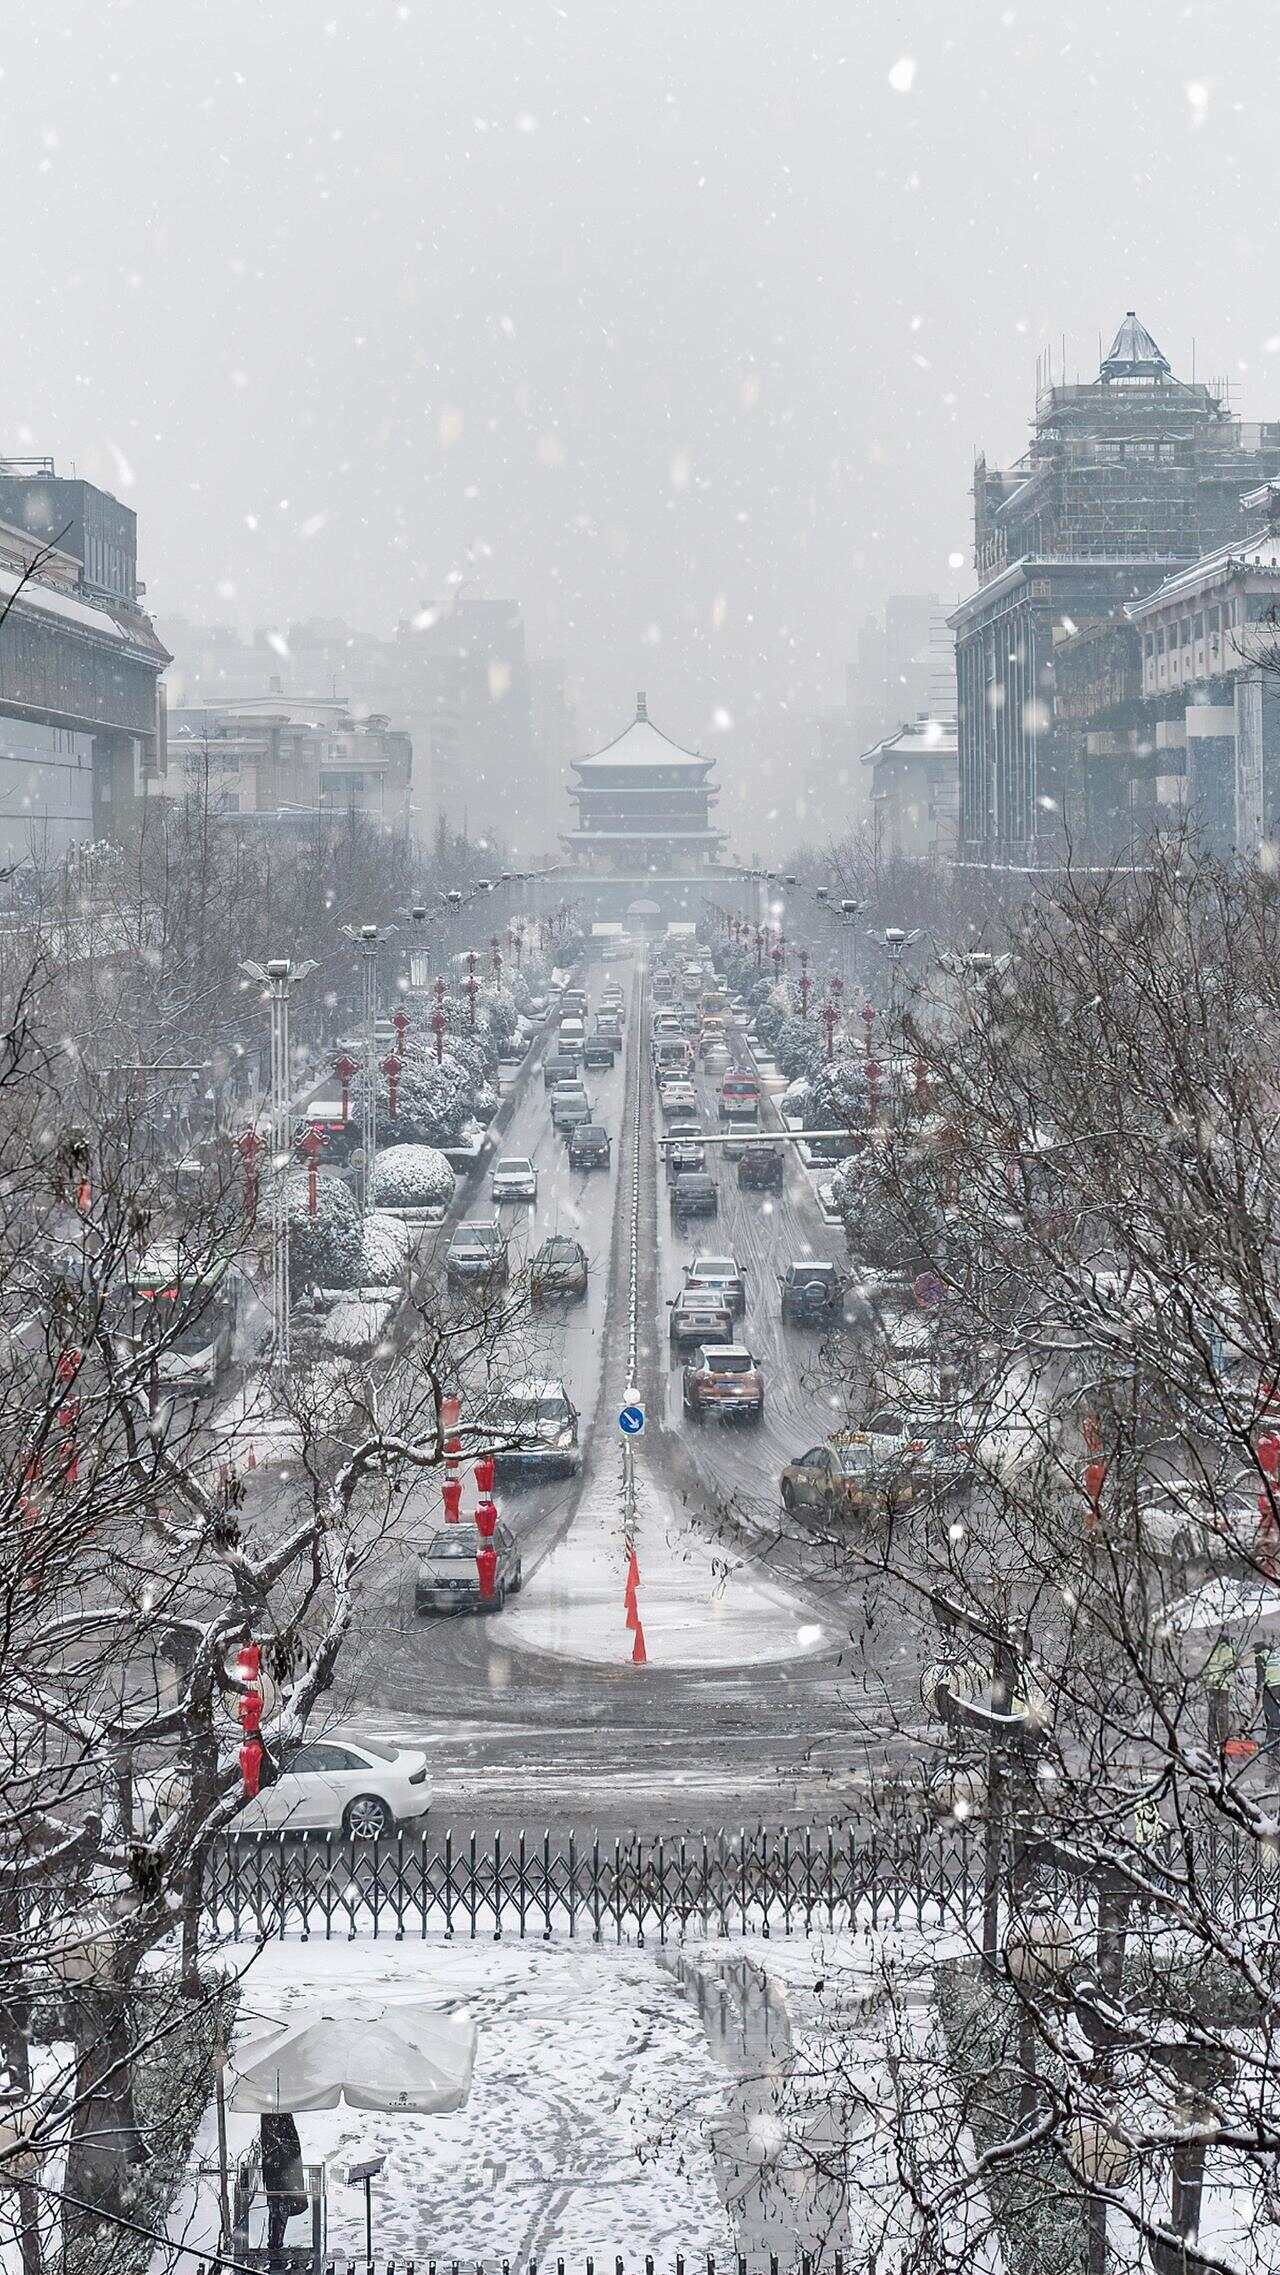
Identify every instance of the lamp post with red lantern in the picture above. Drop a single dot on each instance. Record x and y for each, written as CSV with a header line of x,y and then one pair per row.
x,y
346,1070
495,959
310,1148
392,1067
472,988
804,983
831,1014
439,1022
402,1023
250,1147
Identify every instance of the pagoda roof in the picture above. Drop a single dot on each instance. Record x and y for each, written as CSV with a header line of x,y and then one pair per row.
x,y
1133,354
641,745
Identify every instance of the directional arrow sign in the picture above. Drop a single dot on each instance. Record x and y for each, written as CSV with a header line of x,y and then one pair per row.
x,y
631,1421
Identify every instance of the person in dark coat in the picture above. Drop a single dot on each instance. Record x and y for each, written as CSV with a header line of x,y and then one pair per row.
x,y
283,2180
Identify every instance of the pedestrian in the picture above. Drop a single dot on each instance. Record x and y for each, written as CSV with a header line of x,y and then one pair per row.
x,y
1218,1676
1268,1664
283,2180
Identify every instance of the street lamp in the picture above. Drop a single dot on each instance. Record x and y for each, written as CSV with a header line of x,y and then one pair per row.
x,y
278,977
366,938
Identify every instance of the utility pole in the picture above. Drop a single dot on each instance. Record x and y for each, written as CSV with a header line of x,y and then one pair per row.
x,y
278,978
366,939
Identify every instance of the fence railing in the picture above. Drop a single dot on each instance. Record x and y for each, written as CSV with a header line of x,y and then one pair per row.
x,y
647,1889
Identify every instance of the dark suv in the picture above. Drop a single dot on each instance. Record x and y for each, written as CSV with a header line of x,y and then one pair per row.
x,y
558,1271
560,1066
761,1169
812,1294
589,1147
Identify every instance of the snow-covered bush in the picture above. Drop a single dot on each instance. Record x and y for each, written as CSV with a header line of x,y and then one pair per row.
x,y
484,1102
433,1101
840,1092
411,1177
797,1048
796,1102
769,1019
324,1249
386,1243
500,1012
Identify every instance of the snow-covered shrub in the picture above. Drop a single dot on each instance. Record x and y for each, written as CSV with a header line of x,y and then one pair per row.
x,y
796,1102
433,1101
500,1012
484,1102
840,1093
769,1019
797,1048
324,1249
386,1243
411,1177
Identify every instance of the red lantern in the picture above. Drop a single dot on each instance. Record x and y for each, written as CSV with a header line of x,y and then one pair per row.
x,y
248,1663
485,1471
450,1411
1269,1455
310,1145
451,1495
487,1570
401,1025
249,1712
1095,1477
1091,1432
251,1766
392,1068
453,1451
486,1519
346,1070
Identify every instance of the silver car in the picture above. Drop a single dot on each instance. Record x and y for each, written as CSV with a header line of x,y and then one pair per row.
x,y
447,1576
514,1179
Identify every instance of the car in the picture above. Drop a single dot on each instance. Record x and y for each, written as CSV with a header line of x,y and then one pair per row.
x,y
569,1106
726,1381
812,1292
572,1035
698,1318
612,998
535,1431
598,1051
762,1169
340,1784
514,1179
715,1058
589,1147
560,1066
539,1005
693,1194
558,1269
677,1097
477,1254
447,1578
689,1154
718,1275
740,1098
573,1003
855,1470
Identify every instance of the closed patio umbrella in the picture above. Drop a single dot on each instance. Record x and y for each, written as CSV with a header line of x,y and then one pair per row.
x,y
367,2050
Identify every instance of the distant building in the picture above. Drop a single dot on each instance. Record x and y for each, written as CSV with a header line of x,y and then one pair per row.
x,y
82,728
1128,479
276,756
644,805
915,790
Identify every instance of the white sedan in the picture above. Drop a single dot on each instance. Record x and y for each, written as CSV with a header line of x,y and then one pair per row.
x,y
514,1179
336,1784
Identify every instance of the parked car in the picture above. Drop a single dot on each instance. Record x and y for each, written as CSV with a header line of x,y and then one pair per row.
x,y
514,1179
740,1098
560,1066
812,1292
699,1317
693,1194
677,1098
589,1146
726,1381
337,1784
573,1003
856,1470
558,1269
477,1254
598,1051
539,1422
569,1106
718,1275
447,1577
762,1169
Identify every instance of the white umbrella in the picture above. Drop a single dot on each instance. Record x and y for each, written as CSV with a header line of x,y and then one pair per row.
x,y
367,2050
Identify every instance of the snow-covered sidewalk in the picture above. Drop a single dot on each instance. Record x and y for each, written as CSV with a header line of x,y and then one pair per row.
x,y
699,1603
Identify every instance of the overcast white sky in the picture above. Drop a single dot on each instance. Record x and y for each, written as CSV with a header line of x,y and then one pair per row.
x,y
678,322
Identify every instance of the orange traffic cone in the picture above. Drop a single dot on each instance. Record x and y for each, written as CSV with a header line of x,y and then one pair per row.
x,y
629,1606
639,1656
633,1570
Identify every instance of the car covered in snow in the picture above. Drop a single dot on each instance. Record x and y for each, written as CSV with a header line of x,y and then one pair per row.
x,y
718,1275
569,1106
514,1179
687,1153
477,1254
698,1318
534,1429
677,1097
599,1051
558,1271
724,1381
854,1470
447,1578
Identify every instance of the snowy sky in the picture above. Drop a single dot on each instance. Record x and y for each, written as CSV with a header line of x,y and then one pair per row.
x,y
678,322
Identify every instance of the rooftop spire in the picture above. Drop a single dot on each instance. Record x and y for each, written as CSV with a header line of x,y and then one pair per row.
x,y
1133,353
642,708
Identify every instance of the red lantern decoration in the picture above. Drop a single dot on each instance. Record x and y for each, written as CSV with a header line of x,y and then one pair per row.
x,y
392,1067
485,1472
1269,1455
804,983
486,1519
450,1411
249,1712
310,1146
487,1570
451,1495
1095,1477
401,1024
346,1070
251,1766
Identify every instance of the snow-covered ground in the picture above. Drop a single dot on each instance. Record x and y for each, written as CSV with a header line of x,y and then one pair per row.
x,y
700,1605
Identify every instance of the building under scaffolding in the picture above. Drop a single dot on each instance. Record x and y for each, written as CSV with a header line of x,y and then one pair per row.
x,y
1127,479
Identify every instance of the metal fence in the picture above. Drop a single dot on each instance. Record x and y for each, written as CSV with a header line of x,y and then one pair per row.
x,y
643,1890
589,2263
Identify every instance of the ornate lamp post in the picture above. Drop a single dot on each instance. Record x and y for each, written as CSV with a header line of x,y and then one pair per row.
x,y
804,983
278,978
346,1070
392,1067
310,1146
472,988
438,1021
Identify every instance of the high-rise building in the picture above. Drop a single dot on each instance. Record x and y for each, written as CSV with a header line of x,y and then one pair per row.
x,y
1127,479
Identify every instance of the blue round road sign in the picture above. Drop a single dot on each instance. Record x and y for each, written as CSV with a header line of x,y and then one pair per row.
x,y
631,1421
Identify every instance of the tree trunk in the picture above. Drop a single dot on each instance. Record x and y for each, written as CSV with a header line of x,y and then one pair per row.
x,y
106,2147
